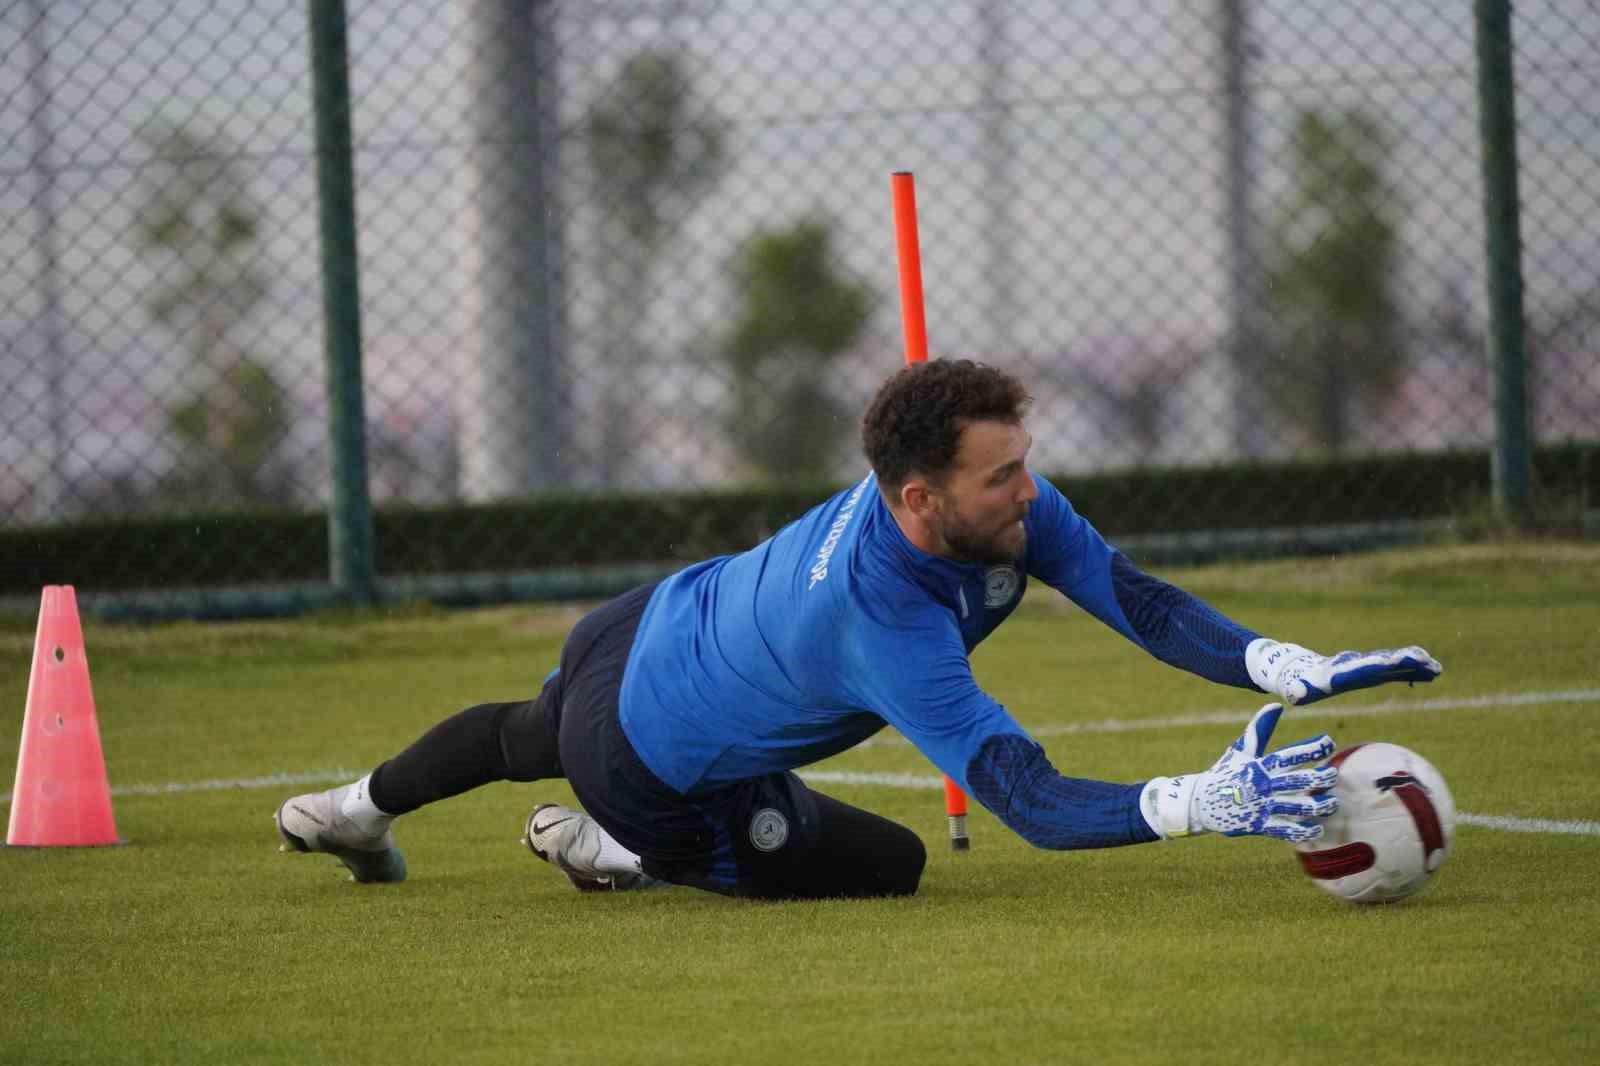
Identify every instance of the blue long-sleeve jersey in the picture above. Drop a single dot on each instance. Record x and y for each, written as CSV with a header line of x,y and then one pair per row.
x,y
810,642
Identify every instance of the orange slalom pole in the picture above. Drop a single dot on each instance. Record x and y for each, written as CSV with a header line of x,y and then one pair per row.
x,y
914,327
913,320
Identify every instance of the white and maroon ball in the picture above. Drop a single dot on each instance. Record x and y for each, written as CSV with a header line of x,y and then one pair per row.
x,y
1395,826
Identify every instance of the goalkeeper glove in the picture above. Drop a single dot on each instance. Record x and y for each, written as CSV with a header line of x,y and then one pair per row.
x,y
1302,676
1247,793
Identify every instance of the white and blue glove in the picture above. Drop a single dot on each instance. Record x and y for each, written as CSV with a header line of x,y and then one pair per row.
x,y
1301,676
1248,793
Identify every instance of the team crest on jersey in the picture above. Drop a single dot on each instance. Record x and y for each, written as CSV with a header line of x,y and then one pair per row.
x,y
769,829
1000,586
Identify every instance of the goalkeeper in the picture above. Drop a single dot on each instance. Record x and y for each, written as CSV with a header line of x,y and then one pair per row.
x,y
681,709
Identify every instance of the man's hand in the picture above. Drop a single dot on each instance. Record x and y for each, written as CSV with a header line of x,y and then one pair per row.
x,y
1246,793
1302,676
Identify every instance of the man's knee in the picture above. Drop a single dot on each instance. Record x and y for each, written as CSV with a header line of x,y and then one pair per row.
x,y
904,860
858,853
529,740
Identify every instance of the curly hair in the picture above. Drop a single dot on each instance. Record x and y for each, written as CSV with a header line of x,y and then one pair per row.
x,y
914,423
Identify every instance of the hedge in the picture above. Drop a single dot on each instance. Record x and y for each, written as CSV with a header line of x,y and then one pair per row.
x,y
563,530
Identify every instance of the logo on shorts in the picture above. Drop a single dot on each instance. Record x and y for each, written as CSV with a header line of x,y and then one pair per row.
x,y
1000,586
769,829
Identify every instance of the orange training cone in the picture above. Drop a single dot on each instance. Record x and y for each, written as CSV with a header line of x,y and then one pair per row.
x,y
62,797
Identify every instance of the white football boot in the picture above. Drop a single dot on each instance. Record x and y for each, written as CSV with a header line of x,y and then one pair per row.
x,y
316,822
570,841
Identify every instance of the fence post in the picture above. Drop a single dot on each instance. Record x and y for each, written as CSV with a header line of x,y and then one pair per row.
x,y
1248,432
513,381
350,555
1510,465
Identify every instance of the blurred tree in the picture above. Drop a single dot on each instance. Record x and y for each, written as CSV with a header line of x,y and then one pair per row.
x,y
796,315
653,153
1136,394
198,224
236,424
1563,403
1331,277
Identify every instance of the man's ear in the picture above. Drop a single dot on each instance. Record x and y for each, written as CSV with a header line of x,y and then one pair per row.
x,y
918,498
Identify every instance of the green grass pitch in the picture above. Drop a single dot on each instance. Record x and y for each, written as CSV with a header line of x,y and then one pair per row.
x,y
199,942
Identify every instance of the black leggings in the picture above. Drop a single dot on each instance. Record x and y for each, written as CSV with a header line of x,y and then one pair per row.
x,y
845,852
767,838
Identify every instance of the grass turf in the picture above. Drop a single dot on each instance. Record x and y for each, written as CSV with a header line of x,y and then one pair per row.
x,y
197,942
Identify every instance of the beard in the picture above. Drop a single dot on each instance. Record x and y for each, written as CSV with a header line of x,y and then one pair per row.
x,y
990,547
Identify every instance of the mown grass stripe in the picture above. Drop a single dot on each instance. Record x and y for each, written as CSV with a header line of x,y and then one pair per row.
x,y
1505,823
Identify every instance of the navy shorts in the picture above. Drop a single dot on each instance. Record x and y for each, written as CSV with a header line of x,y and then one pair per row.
x,y
767,837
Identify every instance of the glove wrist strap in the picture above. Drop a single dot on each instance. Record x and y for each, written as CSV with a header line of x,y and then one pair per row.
x,y
1165,803
1264,660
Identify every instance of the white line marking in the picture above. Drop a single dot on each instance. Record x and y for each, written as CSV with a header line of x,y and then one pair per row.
x,y
315,777
848,777
1528,825
1505,701
223,784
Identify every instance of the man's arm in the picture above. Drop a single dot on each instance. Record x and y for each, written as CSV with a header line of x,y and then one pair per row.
x,y
1182,630
1014,780
1246,792
917,677
1179,629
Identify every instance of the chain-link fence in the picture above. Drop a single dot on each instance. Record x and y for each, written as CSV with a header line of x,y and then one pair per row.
x,y
622,251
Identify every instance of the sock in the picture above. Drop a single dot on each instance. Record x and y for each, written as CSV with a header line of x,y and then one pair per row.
x,y
357,806
613,857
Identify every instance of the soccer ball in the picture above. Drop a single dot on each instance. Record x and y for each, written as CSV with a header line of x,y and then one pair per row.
x,y
1395,825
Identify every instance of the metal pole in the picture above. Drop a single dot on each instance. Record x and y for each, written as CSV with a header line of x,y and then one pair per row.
x,y
1249,438
1511,462
513,403
42,163
1000,194
350,554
